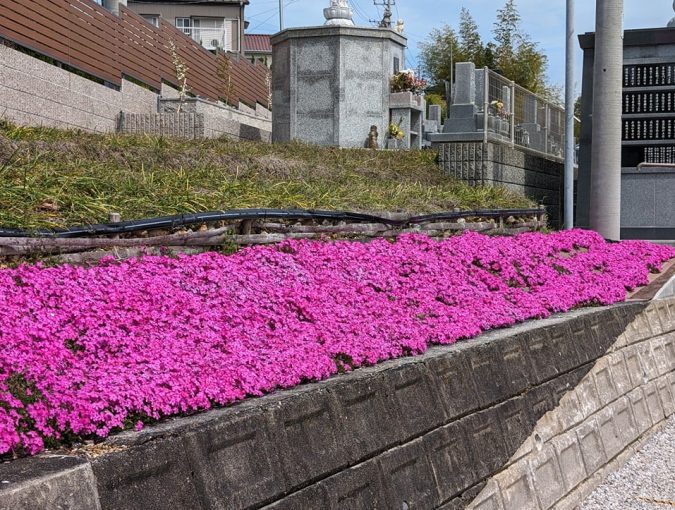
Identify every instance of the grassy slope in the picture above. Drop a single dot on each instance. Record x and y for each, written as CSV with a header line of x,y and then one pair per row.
x,y
52,178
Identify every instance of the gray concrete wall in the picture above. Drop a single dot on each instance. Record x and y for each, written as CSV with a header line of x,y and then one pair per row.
x,y
527,417
37,93
220,120
515,168
648,202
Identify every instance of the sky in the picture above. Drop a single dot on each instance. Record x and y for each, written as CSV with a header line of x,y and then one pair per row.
x,y
543,20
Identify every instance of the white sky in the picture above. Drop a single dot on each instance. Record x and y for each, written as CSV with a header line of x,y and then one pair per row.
x,y
543,20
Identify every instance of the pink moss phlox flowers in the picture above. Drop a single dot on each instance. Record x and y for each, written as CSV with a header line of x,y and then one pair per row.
x,y
86,351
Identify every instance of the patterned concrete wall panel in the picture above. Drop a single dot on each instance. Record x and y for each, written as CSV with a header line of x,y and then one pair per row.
x,y
408,477
50,482
303,429
625,396
140,477
455,383
358,487
235,461
451,459
365,408
417,405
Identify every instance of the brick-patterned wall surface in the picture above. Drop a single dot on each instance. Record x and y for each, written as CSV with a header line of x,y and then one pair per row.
x,y
517,169
87,37
36,93
531,412
176,125
626,397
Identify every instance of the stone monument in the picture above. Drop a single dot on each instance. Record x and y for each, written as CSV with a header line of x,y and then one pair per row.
x,y
331,84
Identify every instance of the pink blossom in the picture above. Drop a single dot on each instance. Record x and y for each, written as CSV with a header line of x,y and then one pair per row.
x,y
88,351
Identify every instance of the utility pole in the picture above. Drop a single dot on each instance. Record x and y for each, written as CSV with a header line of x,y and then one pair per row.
x,y
569,120
281,15
605,204
388,13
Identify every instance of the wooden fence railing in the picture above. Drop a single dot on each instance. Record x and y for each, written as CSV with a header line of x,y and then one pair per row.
x,y
87,37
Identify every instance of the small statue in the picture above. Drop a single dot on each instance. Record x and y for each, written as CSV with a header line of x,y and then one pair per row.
x,y
400,26
339,13
373,138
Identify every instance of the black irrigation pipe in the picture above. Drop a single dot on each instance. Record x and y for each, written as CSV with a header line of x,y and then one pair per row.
x,y
183,220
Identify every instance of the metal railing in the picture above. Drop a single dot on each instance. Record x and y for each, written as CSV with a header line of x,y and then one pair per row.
x,y
521,117
210,38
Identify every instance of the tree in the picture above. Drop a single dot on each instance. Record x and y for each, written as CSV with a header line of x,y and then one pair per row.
x,y
511,53
507,33
437,55
470,43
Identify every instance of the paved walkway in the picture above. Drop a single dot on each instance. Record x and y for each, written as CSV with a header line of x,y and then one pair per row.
x,y
646,481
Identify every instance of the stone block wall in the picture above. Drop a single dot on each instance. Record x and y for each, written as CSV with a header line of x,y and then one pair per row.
x,y
514,168
37,93
528,417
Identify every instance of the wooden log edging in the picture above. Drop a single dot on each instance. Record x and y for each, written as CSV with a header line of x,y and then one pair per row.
x,y
265,230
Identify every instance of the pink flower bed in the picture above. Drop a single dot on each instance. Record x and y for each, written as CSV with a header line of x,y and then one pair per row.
x,y
86,351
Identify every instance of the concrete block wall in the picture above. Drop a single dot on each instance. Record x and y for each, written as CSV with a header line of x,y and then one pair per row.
x,y
498,164
529,417
221,120
37,93
33,92
177,125
628,394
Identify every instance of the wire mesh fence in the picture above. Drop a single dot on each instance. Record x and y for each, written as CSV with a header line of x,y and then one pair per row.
x,y
519,116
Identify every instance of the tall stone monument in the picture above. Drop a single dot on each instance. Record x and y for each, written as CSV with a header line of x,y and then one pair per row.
x,y
331,84
648,134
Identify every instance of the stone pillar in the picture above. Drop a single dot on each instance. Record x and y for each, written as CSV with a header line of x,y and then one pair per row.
x,y
605,210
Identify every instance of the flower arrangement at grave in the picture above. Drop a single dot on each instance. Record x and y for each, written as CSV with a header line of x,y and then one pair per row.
x,y
497,108
406,81
395,132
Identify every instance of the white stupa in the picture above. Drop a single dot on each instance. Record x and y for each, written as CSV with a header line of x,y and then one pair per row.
x,y
339,13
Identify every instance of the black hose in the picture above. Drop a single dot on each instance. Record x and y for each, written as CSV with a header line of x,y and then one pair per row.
x,y
183,220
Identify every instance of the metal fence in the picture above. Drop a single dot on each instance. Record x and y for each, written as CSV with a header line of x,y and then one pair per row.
x,y
519,116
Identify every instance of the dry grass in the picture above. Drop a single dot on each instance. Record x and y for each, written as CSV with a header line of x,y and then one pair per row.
x,y
53,178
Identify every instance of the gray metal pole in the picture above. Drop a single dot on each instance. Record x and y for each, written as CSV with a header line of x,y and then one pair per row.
x,y
605,210
569,118
281,15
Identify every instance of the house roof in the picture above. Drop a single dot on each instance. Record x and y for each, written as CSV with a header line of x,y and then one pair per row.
x,y
257,43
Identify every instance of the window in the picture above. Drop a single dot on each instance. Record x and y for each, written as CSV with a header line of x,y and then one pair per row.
x,y
184,24
153,19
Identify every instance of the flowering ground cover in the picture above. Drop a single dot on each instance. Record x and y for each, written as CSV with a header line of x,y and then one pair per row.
x,y
87,351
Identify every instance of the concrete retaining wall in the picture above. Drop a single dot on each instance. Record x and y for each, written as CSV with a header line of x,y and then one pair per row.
x,y
517,169
37,93
527,417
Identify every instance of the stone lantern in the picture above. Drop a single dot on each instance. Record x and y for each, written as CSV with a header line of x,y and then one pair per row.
x,y
339,13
